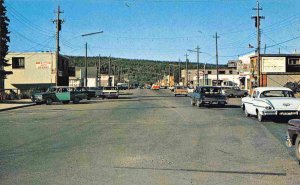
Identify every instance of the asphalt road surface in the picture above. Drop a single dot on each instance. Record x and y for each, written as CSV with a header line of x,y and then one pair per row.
x,y
150,137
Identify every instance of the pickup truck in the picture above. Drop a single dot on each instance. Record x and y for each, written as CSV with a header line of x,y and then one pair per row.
x,y
208,95
110,92
58,94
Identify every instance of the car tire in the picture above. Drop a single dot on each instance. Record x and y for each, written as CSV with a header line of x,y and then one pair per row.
x,y
192,102
76,100
246,112
66,102
49,101
260,117
297,148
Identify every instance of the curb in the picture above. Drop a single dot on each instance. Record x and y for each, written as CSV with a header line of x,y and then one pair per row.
x,y
17,107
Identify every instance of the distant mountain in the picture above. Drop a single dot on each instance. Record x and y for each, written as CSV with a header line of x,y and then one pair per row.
x,y
139,71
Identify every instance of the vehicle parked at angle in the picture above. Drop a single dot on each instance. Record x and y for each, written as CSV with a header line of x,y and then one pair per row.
x,y
208,95
58,94
234,91
293,136
172,88
110,92
90,94
98,91
180,90
155,87
190,89
271,101
122,86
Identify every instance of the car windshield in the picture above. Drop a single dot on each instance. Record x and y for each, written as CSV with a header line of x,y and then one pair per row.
x,y
180,87
109,88
276,93
211,90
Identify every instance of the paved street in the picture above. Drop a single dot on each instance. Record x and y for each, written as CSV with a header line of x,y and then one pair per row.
x,y
150,137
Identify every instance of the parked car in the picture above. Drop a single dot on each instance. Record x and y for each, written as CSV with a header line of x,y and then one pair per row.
x,y
58,94
293,136
190,89
172,88
98,91
155,87
208,95
90,94
122,86
180,90
110,92
271,101
234,91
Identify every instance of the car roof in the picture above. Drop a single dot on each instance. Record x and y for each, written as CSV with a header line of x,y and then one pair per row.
x,y
271,88
209,86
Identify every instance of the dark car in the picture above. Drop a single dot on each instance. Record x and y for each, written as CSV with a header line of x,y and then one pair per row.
x,y
293,136
58,94
233,91
208,95
90,93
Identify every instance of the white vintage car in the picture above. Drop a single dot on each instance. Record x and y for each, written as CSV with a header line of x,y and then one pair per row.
x,y
271,101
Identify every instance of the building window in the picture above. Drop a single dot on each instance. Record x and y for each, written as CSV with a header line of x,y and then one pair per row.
x,y
208,72
18,62
222,72
293,61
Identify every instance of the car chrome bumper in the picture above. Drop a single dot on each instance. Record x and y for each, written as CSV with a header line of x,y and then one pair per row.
x,y
280,113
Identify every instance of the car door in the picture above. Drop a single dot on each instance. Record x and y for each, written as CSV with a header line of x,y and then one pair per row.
x,y
63,94
253,102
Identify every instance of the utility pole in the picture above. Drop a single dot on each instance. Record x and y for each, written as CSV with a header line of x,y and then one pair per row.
x,y
217,57
169,75
257,25
179,64
279,51
109,63
204,75
58,23
99,71
86,67
186,69
198,52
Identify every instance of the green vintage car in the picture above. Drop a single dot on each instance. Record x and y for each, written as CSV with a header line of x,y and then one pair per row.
x,y
62,94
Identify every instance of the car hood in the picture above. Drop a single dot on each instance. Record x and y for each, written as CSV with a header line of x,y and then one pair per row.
x,y
284,103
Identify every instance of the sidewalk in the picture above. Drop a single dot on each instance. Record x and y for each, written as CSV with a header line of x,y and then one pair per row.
x,y
15,104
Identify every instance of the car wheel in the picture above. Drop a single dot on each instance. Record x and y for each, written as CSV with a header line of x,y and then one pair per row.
x,y
246,112
49,101
66,102
76,100
192,102
297,148
260,117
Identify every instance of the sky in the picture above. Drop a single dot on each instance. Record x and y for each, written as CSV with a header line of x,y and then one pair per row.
x,y
155,29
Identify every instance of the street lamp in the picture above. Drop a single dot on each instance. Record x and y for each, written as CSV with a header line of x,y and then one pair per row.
x,y
198,52
84,35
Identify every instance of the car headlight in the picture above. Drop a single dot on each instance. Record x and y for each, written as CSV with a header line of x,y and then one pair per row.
x,y
268,107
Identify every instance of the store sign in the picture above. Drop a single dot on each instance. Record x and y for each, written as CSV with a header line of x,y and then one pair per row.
x,y
43,65
273,64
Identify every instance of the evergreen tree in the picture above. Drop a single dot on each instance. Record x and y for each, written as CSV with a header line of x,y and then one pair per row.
x,y
4,40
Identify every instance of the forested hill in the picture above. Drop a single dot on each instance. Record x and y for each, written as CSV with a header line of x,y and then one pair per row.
x,y
141,71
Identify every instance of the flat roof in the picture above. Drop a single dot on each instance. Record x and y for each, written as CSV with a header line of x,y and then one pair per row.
x,y
277,55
